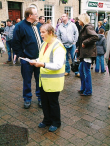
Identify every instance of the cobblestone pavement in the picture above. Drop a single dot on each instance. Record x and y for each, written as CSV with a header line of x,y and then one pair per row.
x,y
85,120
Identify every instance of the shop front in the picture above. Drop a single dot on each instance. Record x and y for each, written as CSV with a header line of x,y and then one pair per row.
x,y
97,10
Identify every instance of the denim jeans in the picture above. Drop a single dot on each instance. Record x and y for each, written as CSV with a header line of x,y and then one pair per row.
x,y
70,50
27,70
9,47
100,62
85,76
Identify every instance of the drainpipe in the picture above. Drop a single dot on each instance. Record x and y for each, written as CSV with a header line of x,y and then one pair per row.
x,y
79,6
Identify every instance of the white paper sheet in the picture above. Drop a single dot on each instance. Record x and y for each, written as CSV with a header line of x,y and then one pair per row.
x,y
27,59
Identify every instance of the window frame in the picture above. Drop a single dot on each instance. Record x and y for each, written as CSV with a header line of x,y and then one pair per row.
x,y
49,9
70,11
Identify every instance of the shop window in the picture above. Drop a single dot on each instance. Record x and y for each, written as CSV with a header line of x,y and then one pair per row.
x,y
93,18
48,12
101,16
68,11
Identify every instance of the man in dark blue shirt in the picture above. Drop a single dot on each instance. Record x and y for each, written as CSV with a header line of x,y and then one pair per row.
x,y
26,44
40,23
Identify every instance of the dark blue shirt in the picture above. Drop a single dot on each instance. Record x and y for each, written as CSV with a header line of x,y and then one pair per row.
x,y
38,27
97,29
24,40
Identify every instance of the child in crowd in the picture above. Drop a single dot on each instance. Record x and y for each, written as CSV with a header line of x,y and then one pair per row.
x,y
101,50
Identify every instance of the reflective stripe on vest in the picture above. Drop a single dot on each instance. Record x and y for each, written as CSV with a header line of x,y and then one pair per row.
x,y
52,75
51,54
41,46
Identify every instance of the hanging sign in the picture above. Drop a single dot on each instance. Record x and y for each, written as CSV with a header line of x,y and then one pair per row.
x,y
95,4
92,4
100,5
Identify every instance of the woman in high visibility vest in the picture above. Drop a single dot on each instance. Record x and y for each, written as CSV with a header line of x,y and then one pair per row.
x,y
51,80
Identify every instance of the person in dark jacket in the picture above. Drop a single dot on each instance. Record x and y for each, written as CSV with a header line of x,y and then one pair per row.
x,y
77,43
3,37
15,59
59,21
101,50
26,43
99,26
87,50
77,24
40,23
106,25
2,28
8,32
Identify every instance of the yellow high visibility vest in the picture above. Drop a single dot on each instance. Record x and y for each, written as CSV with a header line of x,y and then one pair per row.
x,y
51,80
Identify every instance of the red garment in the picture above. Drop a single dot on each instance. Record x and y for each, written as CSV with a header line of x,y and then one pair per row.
x,y
45,49
109,56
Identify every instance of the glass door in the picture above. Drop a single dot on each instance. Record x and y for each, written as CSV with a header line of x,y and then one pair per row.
x,y
93,16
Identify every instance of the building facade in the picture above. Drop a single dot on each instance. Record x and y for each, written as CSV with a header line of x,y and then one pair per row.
x,y
98,10
51,9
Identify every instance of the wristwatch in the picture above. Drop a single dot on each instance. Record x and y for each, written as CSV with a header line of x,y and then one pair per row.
x,y
44,65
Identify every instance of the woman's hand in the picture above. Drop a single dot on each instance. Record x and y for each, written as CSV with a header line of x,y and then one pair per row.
x,y
37,64
83,46
33,62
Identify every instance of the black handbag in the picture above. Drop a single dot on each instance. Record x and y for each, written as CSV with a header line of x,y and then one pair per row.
x,y
75,65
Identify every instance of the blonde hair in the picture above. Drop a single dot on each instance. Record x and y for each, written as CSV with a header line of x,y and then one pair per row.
x,y
48,21
100,22
84,18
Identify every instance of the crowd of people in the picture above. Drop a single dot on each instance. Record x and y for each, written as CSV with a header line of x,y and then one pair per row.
x,y
50,51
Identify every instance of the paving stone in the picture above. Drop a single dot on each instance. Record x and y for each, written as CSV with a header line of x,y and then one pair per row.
x,y
107,140
37,137
32,144
6,117
61,142
80,135
71,130
85,120
88,118
104,145
64,134
99,136
92,141
77,141
88,145
46,142
70,144
51,136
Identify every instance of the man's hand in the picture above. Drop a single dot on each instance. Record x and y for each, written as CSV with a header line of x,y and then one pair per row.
x,y
76,51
